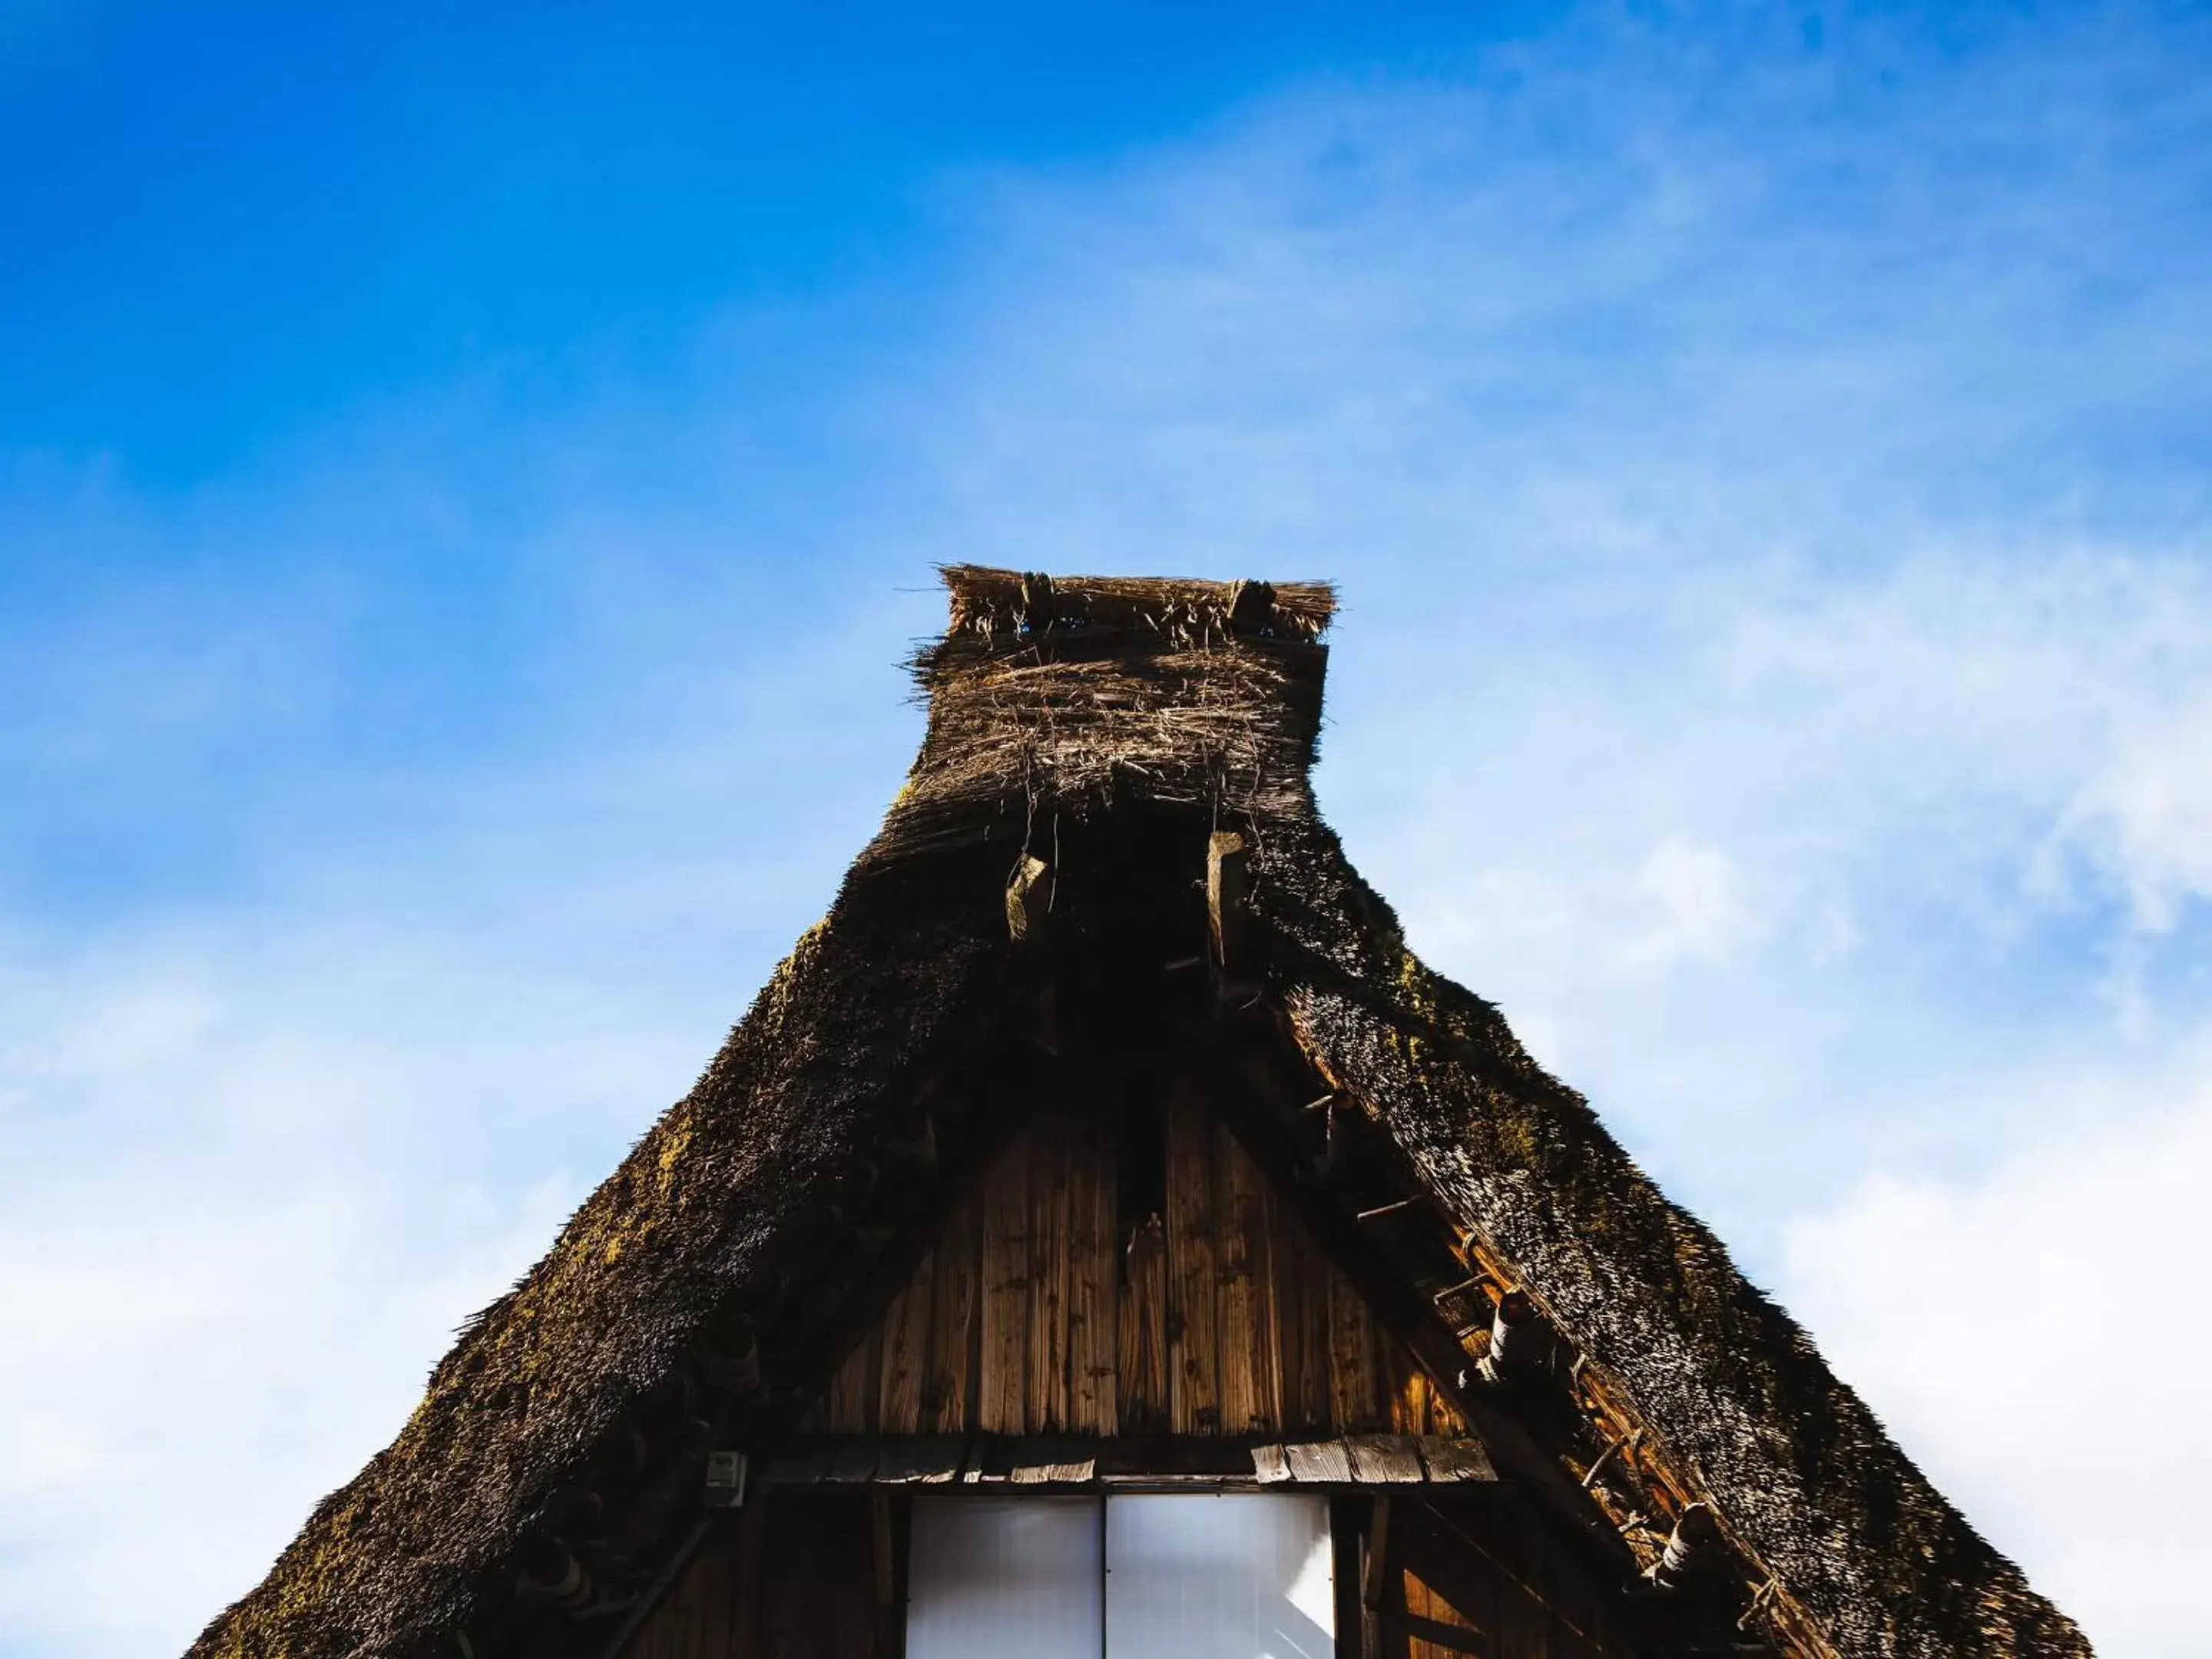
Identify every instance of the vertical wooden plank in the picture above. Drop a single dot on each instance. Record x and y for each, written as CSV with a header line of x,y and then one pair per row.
x,y
1251,1402
1140,1372
1477,1584
1002,1379
684,1615
854,1591
715,1567
901,1583
1443,1416
884,1559
948,1388
1193,1277
1497,1522
792,1579
748,1636
1405,1384
1316,1409
905,1353
1285,1303
1346,1524
1419,1603
1045,1384
1352,1402
851,1406
821,1604
1381,1589
1446,1582
644,1641
1090,1281
1556,1579
1523,1625
1424,1600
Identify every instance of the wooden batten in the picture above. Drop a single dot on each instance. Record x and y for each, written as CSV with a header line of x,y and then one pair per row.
x,y
1141,1362
1089,1306
1194,1276
1002,1377
1304,1287
1045,1388
955,1297
1227,877
1251,1393
905,1348
1353,1396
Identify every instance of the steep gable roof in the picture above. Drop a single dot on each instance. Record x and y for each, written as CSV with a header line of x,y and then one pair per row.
x,y
1098,752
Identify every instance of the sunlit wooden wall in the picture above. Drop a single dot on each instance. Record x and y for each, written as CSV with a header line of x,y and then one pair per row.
x,y
1045,1308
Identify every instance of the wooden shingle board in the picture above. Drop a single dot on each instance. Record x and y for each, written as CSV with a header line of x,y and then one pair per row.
x,y
1318,1463
1454,1460
1384,1460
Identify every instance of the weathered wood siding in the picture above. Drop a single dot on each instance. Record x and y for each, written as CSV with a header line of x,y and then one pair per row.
x,y
1038,1313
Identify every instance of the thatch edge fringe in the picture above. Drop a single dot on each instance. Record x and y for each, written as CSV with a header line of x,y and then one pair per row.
x,y
714,1202
1797,1462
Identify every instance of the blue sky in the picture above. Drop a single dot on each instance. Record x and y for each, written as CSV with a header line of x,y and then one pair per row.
x,y
467,480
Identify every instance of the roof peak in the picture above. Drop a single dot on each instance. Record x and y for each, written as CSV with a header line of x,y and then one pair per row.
x,y
991,602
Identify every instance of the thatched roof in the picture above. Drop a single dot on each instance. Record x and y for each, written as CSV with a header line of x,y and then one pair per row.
x,y
1100,731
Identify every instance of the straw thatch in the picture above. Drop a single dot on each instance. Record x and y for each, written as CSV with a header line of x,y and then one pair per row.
x,y
1083,726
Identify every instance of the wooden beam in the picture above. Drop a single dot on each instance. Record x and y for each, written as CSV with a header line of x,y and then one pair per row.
x,y
1140,1372
1251,1400
886,1565
1374,1579
1375,1574
748,1627
1193,1282
1001,1385
1092,1317
1346,1519
1226,889
1227,885
946,1405
1046,1379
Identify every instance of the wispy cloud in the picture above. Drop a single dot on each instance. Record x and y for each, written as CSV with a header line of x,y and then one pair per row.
x,y
1763,463
2056,1281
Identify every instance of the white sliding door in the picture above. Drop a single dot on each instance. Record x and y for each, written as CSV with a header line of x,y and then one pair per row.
x,y
1235,1576
1004,1578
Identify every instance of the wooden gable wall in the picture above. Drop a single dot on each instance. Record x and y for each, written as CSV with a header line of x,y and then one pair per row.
x,y
1048,1307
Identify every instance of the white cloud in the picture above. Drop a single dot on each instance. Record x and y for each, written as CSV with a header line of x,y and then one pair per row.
x,y
254,1186
1699,911
2145,816
2033,1337
1765,671
197,1360
1777,651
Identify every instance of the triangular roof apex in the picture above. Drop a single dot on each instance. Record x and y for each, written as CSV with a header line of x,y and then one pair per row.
x,y
991,602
